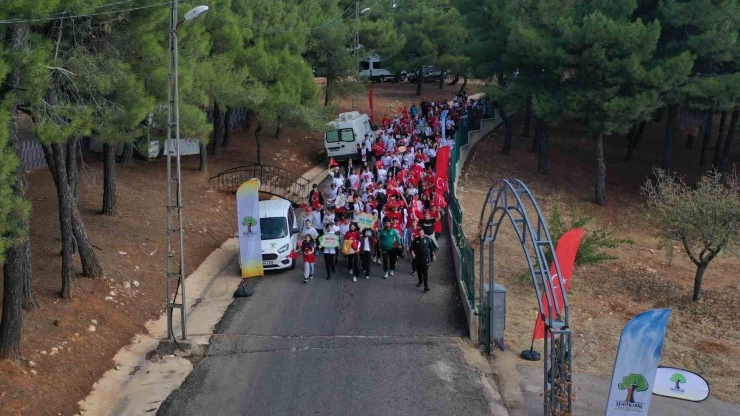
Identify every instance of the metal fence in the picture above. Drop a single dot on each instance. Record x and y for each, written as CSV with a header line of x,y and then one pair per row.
x,y
467,253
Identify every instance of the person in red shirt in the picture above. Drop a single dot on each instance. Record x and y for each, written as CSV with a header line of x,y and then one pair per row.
x,y
353,258
386,121
309,257
378,149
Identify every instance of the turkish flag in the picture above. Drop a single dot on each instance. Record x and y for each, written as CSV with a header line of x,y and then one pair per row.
x,y
565,251
442,169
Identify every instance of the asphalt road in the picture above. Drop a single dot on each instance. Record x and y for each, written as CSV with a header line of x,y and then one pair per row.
x,y
337,347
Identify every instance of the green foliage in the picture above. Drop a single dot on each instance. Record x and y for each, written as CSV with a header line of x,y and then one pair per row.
x,y
705,218
13,208
595,242
678,378
636,381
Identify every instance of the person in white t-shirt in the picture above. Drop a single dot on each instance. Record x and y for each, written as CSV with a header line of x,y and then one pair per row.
x,y
382,175
354,180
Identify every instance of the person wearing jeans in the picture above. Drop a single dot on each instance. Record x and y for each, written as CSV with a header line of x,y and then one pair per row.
x,y
389,241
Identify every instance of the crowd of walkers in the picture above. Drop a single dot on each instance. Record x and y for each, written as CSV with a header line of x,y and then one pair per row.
x,y
393,191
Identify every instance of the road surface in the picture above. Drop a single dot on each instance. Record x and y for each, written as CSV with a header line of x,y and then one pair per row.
x,y
337,347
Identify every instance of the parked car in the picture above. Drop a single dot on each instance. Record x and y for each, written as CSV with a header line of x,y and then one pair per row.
x,y
431,74
279,229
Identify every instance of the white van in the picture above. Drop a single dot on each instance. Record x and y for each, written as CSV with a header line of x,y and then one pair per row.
x,y
372,68
345,133
279,234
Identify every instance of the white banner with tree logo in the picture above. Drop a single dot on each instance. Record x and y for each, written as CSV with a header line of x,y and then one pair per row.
x,y
638,356
250,235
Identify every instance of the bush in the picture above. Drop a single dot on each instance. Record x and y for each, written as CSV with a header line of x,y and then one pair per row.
x,y
594,244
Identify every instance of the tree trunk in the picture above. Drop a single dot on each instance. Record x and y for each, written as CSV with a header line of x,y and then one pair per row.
x,y
72,166
631,394
217,125
707,136
536,141
464,84
419,80
728,142
203,167
248,121
128,153
327,91
66,202
600,171
527,118
507,132
698,279
279,128
718,143
90,265
632,136
227,128
455,80
670,130
542,149
640,131
689,142
109,179
659,115
634,140
259,143
72,174
441,80
12,318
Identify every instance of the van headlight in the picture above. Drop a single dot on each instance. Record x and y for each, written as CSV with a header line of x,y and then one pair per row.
x,y
283,249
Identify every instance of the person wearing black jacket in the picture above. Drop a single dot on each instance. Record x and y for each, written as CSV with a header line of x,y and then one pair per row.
x,y
366,249
422,252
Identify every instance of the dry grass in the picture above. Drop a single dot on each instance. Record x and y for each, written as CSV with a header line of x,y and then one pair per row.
x,y
701,336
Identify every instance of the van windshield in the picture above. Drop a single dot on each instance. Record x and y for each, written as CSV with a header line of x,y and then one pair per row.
x,y
345,135
332,136
273,228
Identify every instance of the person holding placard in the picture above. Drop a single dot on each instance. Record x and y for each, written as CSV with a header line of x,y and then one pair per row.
x,y
328,244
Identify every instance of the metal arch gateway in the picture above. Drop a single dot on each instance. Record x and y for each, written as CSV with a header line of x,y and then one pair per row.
x,y
513,200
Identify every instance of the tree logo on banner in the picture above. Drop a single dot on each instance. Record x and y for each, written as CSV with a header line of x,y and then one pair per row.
x,y
678,378
249,222
632,383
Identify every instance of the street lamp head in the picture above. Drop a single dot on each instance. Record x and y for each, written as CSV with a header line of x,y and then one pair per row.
x,y
364,11
196,12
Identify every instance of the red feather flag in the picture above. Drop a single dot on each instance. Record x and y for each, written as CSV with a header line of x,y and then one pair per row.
x,y
566,250
442,167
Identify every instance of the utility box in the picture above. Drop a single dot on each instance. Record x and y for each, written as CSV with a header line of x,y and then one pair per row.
x,y
498,313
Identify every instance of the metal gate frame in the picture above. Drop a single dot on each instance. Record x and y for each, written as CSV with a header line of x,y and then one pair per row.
x,y
510,199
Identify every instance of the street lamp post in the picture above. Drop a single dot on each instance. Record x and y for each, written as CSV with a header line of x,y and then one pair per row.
x,y
174,205
356,51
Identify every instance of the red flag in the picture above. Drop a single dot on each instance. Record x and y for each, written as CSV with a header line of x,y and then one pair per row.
x,y
442,169
566,250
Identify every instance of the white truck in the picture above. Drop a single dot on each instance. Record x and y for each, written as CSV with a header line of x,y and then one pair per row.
x,y
372,68
345,133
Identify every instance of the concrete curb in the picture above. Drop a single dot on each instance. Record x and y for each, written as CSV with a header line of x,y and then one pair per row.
x,y
138,385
